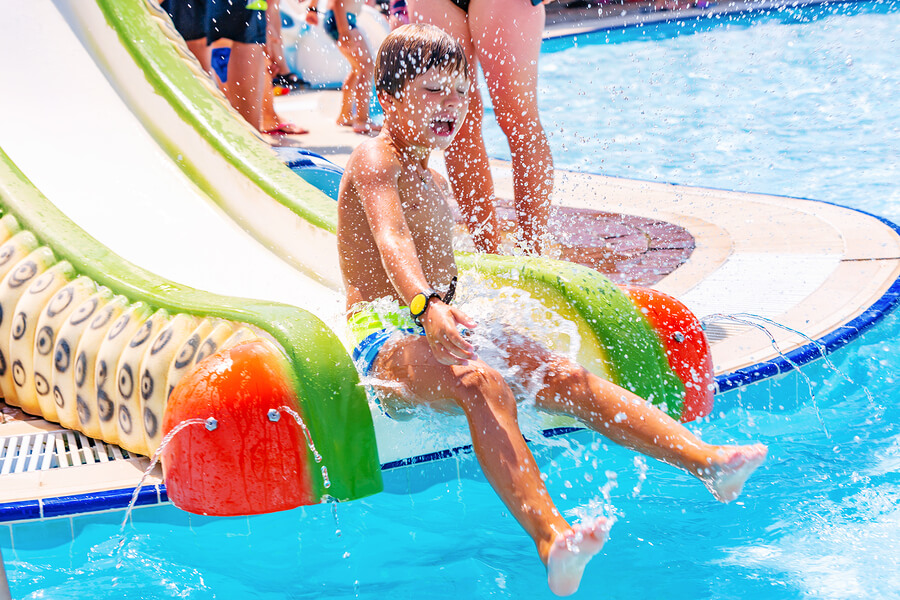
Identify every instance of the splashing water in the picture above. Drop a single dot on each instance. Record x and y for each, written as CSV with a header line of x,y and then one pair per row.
x,y
210,424
306,434
747,321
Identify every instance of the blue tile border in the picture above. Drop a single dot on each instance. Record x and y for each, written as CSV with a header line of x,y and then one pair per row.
x,y
59,506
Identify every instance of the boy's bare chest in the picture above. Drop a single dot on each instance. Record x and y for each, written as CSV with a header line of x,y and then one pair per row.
x,y
425,207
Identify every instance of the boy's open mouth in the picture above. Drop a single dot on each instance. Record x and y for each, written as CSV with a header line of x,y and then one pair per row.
x,y
443,126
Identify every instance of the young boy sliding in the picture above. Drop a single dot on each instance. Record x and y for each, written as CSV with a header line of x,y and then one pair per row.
x,y
394,240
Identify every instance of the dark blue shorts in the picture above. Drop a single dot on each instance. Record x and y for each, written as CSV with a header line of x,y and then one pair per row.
x,y
188,16
330,24
231,20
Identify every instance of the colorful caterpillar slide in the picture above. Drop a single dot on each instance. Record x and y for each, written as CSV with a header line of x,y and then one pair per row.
x,y
262,402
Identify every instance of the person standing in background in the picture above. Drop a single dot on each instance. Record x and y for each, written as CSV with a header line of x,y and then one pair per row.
x,y
339,22
504,36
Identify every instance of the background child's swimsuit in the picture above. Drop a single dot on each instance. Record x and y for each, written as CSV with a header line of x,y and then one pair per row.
x,y
372,329
330,24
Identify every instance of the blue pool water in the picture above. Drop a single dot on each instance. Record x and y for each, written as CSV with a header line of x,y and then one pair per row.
x,y
796,102
820,520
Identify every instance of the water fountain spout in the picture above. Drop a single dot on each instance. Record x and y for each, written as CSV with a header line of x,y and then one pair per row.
x,y
210,424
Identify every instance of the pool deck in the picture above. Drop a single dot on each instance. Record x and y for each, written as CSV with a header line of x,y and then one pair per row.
x,y
807,265
810,266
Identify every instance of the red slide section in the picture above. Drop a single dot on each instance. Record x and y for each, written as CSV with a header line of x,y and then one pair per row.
x,y
685,344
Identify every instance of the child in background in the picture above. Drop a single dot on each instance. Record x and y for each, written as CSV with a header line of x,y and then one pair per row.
x,y
339,22
394,242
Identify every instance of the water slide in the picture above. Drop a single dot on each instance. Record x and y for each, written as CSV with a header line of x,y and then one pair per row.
x,y
131,179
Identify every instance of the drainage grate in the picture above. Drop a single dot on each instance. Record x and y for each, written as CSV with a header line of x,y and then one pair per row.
x,y
54,450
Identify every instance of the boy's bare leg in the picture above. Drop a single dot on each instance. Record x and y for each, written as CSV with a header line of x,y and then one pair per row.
x,y
245,86
466,158
634,423
509,56
505,458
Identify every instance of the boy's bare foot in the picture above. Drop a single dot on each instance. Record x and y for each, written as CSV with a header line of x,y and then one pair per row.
x,y
726,478
571,551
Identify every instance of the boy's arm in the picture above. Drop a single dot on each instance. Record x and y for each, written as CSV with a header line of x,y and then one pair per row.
x,y
376,184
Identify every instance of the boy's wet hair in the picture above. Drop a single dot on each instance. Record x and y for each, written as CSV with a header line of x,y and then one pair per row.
x,y
410,50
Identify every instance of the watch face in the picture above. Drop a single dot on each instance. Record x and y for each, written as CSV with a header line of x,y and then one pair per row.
x,y
418,304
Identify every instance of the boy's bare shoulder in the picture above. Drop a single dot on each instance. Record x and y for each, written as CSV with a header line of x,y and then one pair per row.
x,y
373,160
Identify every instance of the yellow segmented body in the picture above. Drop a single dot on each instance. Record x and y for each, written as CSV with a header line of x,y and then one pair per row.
x,y
32,386
73,352
86,301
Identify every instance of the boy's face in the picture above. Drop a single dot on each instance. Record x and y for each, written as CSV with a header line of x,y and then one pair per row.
x,y
431,107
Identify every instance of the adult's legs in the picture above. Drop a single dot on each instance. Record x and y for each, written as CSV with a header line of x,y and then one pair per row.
x,y
505,458
357,90
466,158
507,38
201,50
274,45
245,86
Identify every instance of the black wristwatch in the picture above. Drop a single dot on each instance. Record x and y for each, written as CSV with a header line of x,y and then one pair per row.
x,y
419,304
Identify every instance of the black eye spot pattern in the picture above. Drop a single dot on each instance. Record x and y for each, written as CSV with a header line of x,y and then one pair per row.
x,y
187,352
80,369
20,324
41,283
151,423
41,385
125,424
119,326
84,311
44,341
22,273
105,406
161,340
62,356
146,385
58,397
60,302
84,411
126,381
206,349
18,373
142,335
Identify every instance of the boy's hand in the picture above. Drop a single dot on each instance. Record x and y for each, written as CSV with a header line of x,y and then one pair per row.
x,y
447,343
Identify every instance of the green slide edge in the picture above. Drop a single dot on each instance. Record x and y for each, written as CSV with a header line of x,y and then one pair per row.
x,y
637,358
174,80
333,404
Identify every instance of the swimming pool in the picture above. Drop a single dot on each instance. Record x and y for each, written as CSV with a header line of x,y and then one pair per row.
x,y
794,102
820,520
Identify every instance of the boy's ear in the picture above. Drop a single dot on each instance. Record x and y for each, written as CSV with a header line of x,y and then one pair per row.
x,y
386,100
